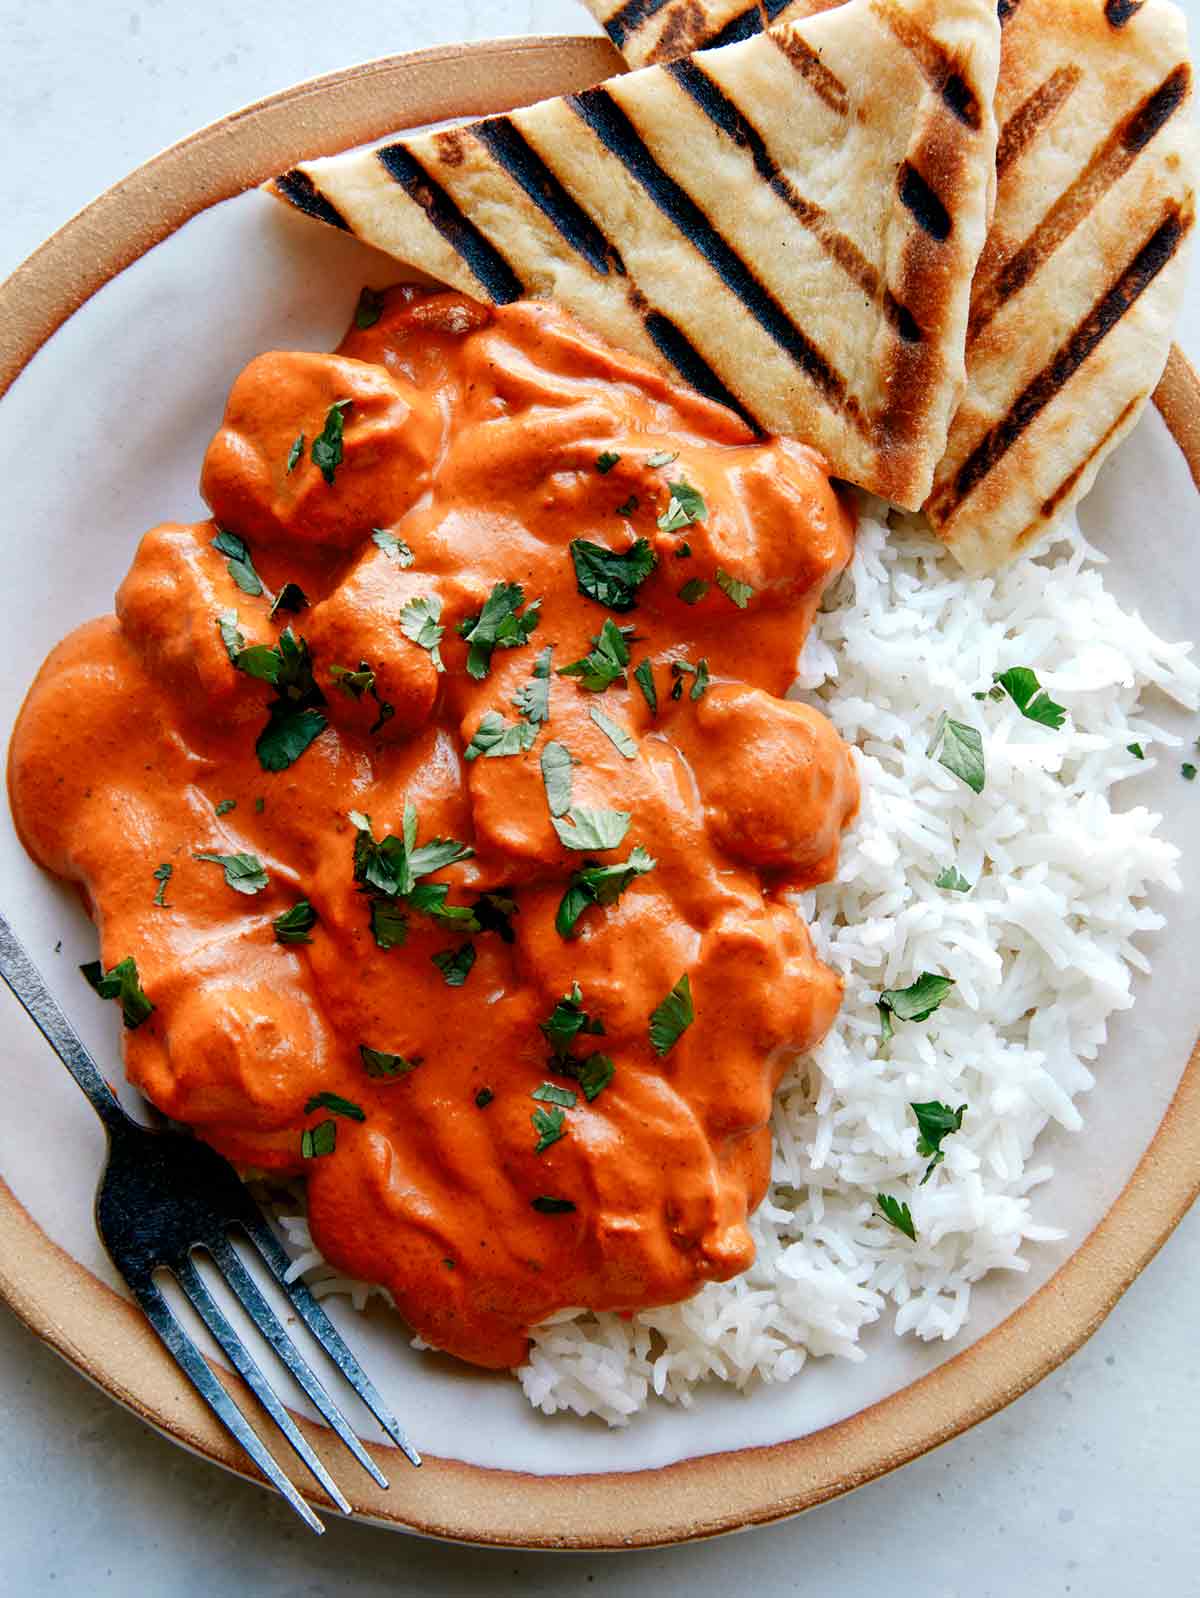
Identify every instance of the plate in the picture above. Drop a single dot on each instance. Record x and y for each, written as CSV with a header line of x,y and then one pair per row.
x,y
118,340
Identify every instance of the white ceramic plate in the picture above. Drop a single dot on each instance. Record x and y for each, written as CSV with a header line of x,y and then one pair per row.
x,y
105,429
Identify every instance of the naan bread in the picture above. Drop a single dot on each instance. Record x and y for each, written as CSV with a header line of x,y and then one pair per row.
x,y
791,224
1081,278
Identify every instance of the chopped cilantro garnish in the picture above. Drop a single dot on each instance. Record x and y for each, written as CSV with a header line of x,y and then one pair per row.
x,y
917,1002
380,1063
358,682
1136,751
494,913
896,1214
290,597
556,774
551,1093
600,885
1187,771
294,925
622,740
685,506
224,807
961,751
953,879
336,1103
612,577
294,454
162,875
627,506
740,593
684,668
227,624
369,308
244,873
288,733
121,982
644,677
326,452
549,1126
671,1019
394,548
934,1122
484,1097
455,964
552,1206
498,626
294,718
419,621
593,1074
605,462
394,864
533,700
568,1020
1031,699
318,1140
389,923
605,663
661,457
694,590
589,830
494,737
239,565
260,804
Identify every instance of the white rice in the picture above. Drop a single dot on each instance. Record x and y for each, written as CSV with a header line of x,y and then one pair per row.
x,y
1042,951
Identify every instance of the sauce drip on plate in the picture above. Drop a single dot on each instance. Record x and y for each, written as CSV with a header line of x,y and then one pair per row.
x,y
486,1170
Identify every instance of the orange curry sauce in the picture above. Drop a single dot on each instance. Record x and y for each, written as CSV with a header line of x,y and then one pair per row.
x,y
478,439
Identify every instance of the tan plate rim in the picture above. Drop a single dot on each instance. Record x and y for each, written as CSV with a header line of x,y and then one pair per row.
x,y
108,1340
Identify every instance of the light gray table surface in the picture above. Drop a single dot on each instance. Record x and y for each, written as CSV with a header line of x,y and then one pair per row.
x,y
1089,1485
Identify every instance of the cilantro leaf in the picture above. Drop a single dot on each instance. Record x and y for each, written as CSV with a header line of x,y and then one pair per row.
x,y
380,1064
227,624
287,735
605,663
588,830
294,925
694,590
1031,699
484,1097
352,682
326,451
336,1103
961,751
549,1126
740,593
239,565
934,1122
593,1074
369,308
627,506
552,1206
644,677
1187,771
599,885
293,718
621,739
121,982
612,577
556,774
389,923
162,875
684,668
551,1093
917,1002
493,912
671,1019
533,701
896,1214
419,621
498,626
685,506
294,454
244,873
394,548
568,1020
318,1140
290,597
390,868
661,457
494,737
605,462
953,879
455,964
224,807
1136,751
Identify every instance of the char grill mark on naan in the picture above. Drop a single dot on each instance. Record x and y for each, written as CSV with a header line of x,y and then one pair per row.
x,y
828,302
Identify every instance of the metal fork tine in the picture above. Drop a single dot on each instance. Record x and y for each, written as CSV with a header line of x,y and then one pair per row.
x,y
247,1290
325,1332
235,1350
192,1363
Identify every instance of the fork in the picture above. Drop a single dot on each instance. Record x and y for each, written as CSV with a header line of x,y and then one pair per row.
x,y
165,1195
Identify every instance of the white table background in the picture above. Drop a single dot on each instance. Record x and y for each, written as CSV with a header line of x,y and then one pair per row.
x,y
1087,1485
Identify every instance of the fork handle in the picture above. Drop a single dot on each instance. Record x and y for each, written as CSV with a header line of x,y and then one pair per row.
x,y
29,986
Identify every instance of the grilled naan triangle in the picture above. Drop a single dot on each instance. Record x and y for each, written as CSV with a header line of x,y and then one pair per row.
x,y
1084,268
791,224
